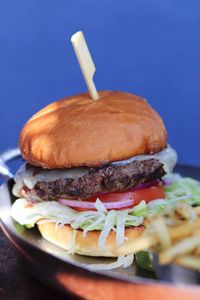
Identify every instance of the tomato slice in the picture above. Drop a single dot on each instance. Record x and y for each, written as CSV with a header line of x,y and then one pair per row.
x,y
147,194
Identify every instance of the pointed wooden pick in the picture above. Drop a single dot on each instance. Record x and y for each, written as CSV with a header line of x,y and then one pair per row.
x,y
85,61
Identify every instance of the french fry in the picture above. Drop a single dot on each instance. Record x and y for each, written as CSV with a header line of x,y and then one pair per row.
x,y
162,232
197,210
149,239
189,261
186,229
173,222
142,243
183,247
197,251
176,233
185,211
196,231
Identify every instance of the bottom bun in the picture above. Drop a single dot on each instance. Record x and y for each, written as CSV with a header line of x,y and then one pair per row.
x,y
74,241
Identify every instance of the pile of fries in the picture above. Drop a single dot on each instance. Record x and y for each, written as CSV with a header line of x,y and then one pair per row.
x,y
174,236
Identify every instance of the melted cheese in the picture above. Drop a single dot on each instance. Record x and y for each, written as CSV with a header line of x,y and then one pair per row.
x,y
167,157
25,176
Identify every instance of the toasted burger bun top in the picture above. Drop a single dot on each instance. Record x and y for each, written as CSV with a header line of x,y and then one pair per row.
x,y
78,131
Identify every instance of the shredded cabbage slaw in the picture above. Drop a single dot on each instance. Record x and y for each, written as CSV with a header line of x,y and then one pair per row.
x,y
182,189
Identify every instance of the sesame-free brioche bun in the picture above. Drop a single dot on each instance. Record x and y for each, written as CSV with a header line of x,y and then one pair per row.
x,y
78,131
63,237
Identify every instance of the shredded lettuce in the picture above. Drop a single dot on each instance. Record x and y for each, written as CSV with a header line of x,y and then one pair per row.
x,y
29,215
109,223
182,189
182,186
139,210
121,222
123,261
93,226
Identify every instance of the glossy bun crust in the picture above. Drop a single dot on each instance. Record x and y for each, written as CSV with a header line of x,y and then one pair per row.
x,y
63,237
77,131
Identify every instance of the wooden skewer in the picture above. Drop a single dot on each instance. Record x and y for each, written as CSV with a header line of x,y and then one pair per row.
x,y
86,62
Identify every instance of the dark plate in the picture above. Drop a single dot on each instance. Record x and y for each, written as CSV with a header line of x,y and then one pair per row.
x,y
68,273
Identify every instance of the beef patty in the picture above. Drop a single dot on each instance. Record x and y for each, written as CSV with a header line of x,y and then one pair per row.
x,y
108,178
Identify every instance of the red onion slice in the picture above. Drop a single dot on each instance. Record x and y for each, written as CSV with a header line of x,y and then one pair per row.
x,y
167,182
146,185
91,205
155,182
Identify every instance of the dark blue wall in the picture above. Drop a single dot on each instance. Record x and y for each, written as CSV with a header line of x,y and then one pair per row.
x,y
151,48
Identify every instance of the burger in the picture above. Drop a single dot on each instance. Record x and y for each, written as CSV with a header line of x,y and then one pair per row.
x,y
93,170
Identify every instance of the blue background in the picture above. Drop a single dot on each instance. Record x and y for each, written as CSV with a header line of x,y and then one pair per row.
x,y
151,48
